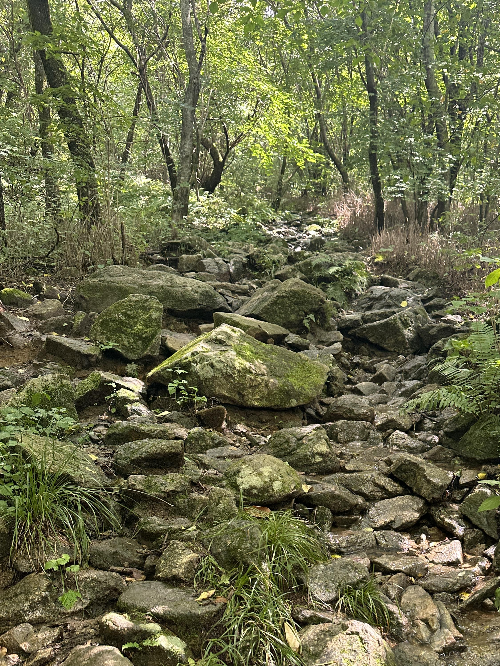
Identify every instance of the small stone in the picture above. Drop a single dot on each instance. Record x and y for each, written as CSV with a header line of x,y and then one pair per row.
x,y
448,553
325,581
394,563
177,563
397,512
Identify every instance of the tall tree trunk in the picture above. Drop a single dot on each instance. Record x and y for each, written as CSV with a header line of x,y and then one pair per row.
x,y
131,132
71,120
52,193
279,185
180,199
3,222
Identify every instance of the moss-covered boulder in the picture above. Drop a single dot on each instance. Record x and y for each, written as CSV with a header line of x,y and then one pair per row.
x,y
179,296
62,458
15,297
481,441
263,479
293,304
132,326
307,449
234,368
260,330
397,333
47,392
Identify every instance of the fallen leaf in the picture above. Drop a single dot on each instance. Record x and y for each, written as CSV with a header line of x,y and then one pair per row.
x,y
220,600
291,637
206,595
404,304
258,511
306,488
482,475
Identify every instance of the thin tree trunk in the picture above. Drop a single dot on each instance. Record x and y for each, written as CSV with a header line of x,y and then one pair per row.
x,y
52,193
279,185
71,120
131,132
212,181
3,222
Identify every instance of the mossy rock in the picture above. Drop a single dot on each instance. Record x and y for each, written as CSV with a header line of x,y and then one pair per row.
x,y
236,369
131,326
47,392
482,440
263,479
15,297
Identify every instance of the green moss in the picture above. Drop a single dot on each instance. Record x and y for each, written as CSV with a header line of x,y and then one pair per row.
x,y
171,361
15,297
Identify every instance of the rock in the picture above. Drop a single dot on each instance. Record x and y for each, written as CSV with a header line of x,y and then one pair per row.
x,y
116,552
171,341
122,432
447,553
424,478
389,418
402,442
260,330
153,531
345,643
63,458
74,352
161,486
485,520
221,506
131,326
263,479
98,387
233,543
449,518
150,456
234,368
385,372
96,655
179,296
485,590
177,563
291,304
212,417
15,297
307,449
333,496
419,606
325,582
24,640
408,654
366,388
480,442
346,542
350,408
164,649
447,579
117,629
176,607
397,333
396,512
47,392
372,486
345,432
200,440
386,298
395,563
46,309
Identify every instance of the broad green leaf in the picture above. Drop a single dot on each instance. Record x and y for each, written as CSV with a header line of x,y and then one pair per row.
x,y
490,503
492,278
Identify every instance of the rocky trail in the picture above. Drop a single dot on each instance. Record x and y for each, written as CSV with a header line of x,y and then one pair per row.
x,y
298,396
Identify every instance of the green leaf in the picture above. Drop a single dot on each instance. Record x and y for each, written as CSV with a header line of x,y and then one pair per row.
x,y
69,599
492,278
213,7
358,21
490,503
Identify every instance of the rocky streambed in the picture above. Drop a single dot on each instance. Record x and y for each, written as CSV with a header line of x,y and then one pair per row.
x,y
302,413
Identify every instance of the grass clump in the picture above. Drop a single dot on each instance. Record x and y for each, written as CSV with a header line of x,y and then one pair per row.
x,y
365,603
257,626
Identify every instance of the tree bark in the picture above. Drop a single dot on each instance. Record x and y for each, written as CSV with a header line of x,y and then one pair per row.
x,y
212,181
131,131
279,185
71,120
3,221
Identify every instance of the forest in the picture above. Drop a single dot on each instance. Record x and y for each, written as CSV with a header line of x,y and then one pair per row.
x,y
249,333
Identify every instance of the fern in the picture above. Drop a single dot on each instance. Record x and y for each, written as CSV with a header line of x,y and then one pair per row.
x,y
470,375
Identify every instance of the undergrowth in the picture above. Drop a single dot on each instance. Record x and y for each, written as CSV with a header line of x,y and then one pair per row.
x,y
365,603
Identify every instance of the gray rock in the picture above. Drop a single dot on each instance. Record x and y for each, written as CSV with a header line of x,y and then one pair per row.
x,y
131,326
344,432
389,418
234,542
351,541
372,486
419,606
480,442
260,330
179,296
172,341
177,563
397,333
117,629
326,581
366,388
385,372
345,643
447,553
164,649
485,520
396,512
46,309
307,449
335,497
200,440
48,392
486,590
408,654
122,432
402,442
449,518
390,540
349,407
289,304
447,579
386,298
74,352
395,563
116,552
150,456
424,478
96,655
235,368
263,479
173,606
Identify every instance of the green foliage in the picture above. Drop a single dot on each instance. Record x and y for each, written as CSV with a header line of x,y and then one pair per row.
x,y
183,394
470,372
257,626
492,502
68,598
365,603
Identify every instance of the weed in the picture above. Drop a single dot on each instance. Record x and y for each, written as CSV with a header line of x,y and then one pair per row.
x,y
68,598
132,369
365,603
183,394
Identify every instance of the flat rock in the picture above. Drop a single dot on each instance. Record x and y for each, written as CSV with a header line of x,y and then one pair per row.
x,y
325,581
372,486
480,442
179,296
424,478
447,553
307,449
333,496
397,512
351,408
73,351
116,552
394,563
485,590
96,655
260,330
263,479
122,432
447,579
234,368
150,456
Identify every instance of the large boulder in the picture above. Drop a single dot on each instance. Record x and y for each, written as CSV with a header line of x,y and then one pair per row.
x,y
179,296
293,304
397,333
234,368
424,478
47,392
132,326
386,298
